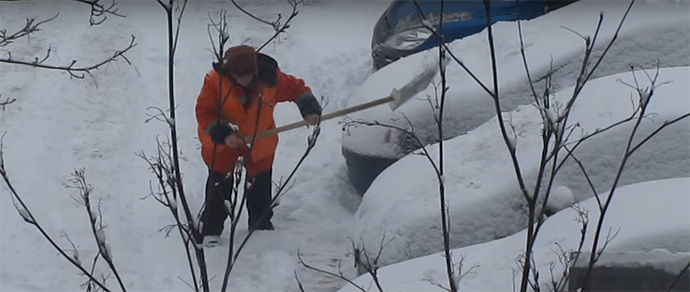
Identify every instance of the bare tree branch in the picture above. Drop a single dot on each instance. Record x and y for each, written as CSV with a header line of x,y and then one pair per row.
x,y
161,165
166,165
586,174
78,182
371,266
76,72
281,28
277,25
221,27
311,143
98,15
664,125
28,217
339,275
6,102
181,8
553,128
99,11
31,26
272,24
299,283
645,96
410,133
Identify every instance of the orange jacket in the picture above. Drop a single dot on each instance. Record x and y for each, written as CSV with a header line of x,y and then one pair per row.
x,y
220,99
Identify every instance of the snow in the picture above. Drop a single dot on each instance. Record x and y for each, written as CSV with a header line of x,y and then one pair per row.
x,y
646,216
484,199
560,198
58,124
98,123
467,105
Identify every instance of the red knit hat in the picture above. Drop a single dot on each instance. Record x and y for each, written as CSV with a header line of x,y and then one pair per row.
x,y
241,60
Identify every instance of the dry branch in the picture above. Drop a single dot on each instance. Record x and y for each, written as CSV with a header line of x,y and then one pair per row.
x,y
645,96
277,25
29,218
161,166
31,26
78,182
99,11
76,72
6,102
166,165
338,275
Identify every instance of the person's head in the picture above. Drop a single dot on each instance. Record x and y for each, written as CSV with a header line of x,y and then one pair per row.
x,y
241,64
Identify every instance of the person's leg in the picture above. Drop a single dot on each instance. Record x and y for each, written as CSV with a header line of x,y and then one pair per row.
x,y
259,201
218,189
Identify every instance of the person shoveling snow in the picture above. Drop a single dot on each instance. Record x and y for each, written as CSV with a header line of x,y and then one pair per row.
x,y
237,101
235,108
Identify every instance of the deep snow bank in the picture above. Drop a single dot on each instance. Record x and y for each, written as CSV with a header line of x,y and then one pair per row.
x,y
649,217
483,195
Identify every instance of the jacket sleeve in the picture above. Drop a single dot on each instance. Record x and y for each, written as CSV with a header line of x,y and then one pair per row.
x,y
290,88
206,105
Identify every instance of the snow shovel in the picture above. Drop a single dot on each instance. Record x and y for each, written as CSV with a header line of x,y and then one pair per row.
x,y
395,99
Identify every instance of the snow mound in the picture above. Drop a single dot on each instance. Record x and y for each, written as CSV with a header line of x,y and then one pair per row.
x,y
468,105
646,216
483,196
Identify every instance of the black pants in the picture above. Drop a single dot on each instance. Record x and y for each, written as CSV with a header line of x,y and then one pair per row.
x,y
219,189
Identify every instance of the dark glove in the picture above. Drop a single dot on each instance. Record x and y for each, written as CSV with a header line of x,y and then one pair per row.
x,y
219,131
308,104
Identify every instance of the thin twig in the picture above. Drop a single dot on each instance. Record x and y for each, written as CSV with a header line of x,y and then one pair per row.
x,y
31,26
339,275
28,217
6,102
281,28
99,12
79,183
76,72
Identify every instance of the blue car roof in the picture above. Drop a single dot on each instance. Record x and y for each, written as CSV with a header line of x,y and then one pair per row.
x,y
407,10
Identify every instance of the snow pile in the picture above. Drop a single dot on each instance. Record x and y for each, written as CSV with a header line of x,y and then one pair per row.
x,y
482,192
651,33
560,198
648,217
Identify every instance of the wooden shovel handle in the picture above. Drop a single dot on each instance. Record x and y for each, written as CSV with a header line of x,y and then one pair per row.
x,y
325,117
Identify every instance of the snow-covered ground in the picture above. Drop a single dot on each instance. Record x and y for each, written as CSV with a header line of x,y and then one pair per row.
x,y
649,218
58,124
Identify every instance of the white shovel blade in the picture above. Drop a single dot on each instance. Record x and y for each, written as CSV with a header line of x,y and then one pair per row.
x,y
415,86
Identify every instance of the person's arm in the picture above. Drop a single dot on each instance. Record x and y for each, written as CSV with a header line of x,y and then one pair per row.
x,y
290,88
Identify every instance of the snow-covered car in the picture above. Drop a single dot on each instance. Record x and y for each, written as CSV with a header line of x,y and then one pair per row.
x,y
653,32
483,197
644,217
400,31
